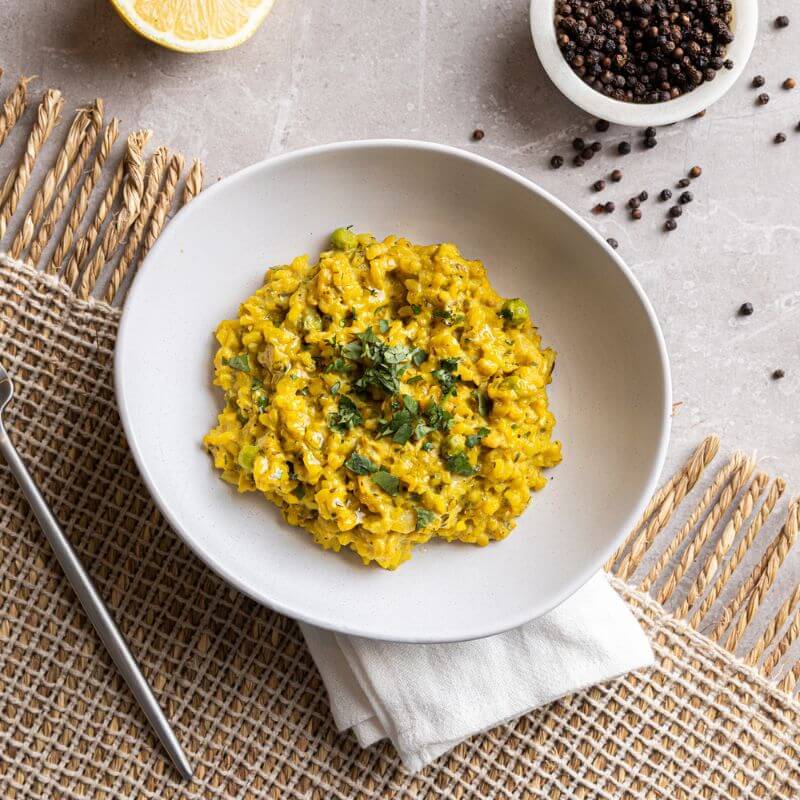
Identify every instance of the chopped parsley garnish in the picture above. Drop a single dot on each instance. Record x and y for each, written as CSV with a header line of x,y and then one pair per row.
x,y
359,464
437,417
348,416
475,438
335,388
405,422
382,364
383,326
416,309
428,446
446,375
460,464
410,404
388,482
447,316
299,491
241,363
338,365
414,379
418,356
424,517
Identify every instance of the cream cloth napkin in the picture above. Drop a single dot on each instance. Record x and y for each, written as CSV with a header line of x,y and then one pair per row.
x,y
426,698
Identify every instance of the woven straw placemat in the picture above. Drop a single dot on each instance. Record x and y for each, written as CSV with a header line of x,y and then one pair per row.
x,y
716,718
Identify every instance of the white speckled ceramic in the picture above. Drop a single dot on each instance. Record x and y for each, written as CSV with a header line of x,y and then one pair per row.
x,y
610,394
745,24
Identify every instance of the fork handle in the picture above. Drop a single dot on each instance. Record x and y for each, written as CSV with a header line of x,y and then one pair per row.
x,y
94,606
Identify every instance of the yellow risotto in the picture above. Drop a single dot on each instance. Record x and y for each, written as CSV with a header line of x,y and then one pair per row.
x,y
384,396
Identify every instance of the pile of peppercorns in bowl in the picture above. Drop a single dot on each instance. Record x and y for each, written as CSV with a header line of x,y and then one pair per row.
x,y
644,62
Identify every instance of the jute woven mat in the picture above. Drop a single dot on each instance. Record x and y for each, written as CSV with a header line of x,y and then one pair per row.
x,y
716,718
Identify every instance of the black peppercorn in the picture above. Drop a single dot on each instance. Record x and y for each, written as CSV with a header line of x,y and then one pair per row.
x,y
759,81
746,309
623,148
643,196
596,146
598,186
675,211
683,183
650,142
763,99
686,197
778,374
609,207
670,225
649,132
556,162
587,154
578,161
613,243
633,202
616,175
780,138
601,126
578,144
782,21
478,134
636,213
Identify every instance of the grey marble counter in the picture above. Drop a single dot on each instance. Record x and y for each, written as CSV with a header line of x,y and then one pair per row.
x,y
436,69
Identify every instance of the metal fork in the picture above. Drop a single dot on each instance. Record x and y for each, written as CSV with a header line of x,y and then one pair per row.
x,y
91,601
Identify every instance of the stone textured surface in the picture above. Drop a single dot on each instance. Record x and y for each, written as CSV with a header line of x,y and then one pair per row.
x,y
436,69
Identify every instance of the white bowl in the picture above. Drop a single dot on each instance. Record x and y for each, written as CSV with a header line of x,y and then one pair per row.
x,y
610,393
543,29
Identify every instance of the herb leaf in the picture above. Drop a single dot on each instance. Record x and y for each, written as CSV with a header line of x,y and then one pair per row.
x,y
437,417
348,416
411,405
383,326
460,465
483,402
474,438
241,363
416,309
446,375
359,464
386,481
424,517
414,379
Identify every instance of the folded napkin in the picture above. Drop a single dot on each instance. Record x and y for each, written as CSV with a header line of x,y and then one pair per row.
x,y
426,698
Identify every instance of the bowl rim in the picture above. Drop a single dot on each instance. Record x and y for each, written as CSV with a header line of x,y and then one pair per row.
x,y
543,32
260,596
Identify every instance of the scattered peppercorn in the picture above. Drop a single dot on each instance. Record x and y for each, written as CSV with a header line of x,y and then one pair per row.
x,y
701,113
596,146
780,138
610,207
665,194
633,202
778,374
759,81
648,132
623,148
578,144
686,197
598,209
789,83
598,186
644,51
746,309
587,154
728,63
636,213
670,225
478,134
612,243
601,126
578,161
556,162
650,142
782,21
643,196
675,211
616,175
763,99
695,171
683,183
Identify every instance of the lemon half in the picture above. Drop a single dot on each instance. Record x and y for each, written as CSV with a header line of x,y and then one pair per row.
x,y
194,26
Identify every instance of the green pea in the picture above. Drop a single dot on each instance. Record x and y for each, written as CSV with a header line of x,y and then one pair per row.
x,y
515,311
247,455
454,443
343,239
